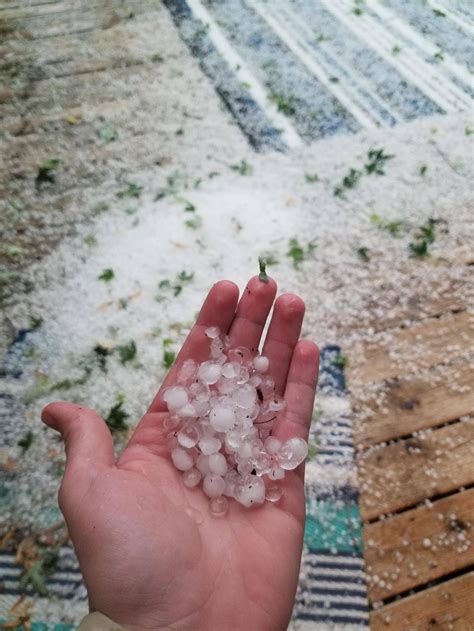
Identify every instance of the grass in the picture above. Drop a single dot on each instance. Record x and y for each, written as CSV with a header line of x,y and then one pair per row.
x,y
106,275
364,253
242,168
127,352
298,252
285,103
26,441
311,178
116,417
425,236
47,171
131,190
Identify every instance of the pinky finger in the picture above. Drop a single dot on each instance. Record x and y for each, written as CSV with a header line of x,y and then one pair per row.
x,y
299,393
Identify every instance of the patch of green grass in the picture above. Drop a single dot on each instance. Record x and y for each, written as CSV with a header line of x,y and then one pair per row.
x,y
168,358
107,133
298,253
348,181
116,417
106,275
26,441
377,159
35,322
364,253
285,103
425,236
313,450
127,352
37,574
176,287
340,360
393,227
101,353
90,240
44,386
17,204
175,183
242,168
47,171
194,223
132,190
13,252
101,207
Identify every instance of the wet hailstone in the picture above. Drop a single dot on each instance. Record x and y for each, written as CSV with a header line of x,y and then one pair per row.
x,y
222,412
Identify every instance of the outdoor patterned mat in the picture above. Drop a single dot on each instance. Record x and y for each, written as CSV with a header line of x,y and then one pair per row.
x,y
332,592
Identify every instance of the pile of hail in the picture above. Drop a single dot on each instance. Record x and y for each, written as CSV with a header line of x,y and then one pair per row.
x,y
221,414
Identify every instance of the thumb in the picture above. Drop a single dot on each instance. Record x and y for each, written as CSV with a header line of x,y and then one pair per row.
x,y
87,438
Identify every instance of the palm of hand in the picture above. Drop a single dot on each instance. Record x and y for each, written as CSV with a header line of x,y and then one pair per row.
x,y
152,555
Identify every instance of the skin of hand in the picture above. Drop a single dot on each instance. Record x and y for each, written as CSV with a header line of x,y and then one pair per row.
x,y
151,553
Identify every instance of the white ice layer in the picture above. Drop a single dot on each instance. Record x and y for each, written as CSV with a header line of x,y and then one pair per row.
x,y
221,417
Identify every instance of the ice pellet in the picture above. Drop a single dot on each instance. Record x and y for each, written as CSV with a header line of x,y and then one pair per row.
x,y
219,427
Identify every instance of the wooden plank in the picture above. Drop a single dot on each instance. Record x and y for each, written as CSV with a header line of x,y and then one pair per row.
x,y
402,406
420,545
399,475
446,607
402,351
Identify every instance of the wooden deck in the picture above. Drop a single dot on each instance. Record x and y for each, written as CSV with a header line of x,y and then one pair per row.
x,y
413,394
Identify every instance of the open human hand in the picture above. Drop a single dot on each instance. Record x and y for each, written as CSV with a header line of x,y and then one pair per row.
x,y
152,554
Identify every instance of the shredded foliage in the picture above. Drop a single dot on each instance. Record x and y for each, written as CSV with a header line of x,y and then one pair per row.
x,y
116,417
127,352
263,276
106,275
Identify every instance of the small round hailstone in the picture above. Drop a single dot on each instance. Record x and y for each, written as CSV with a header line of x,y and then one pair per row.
x,y
218,506
218,464
187,410
276,473
209,445
212,332
276,404
261,363
272,445
273,493
175,397
209,372
182,460
202,464
213,485
292,453
251,491
245,396
222,418
172,422
188,436
191,478
187,372
230,370
233,440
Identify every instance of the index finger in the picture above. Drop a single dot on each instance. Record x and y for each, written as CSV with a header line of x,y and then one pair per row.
x,y
217,310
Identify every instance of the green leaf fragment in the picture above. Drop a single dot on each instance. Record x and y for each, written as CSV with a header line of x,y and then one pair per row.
x,y
263,276
106,275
